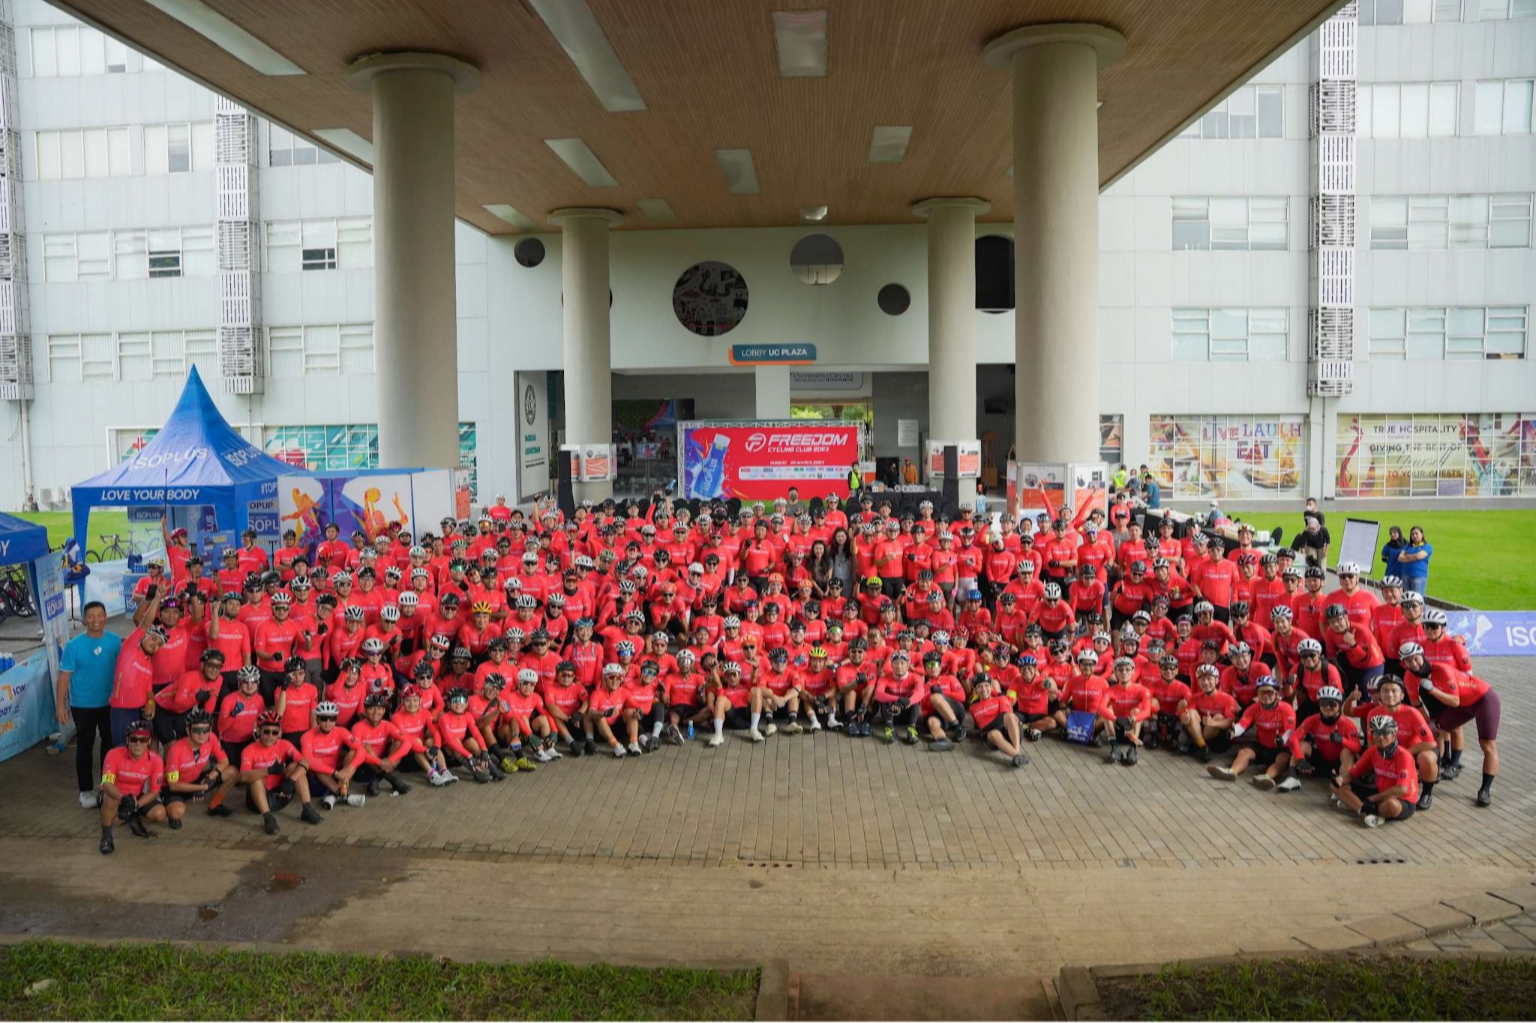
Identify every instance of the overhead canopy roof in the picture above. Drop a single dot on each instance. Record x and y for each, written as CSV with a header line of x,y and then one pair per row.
x,y
708,75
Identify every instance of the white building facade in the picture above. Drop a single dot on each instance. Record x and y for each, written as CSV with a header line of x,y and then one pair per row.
x,y
1236,360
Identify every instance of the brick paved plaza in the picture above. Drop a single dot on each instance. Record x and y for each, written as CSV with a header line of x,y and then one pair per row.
x,y
830,852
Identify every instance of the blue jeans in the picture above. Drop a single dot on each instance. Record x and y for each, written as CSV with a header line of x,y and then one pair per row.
x,y
122,717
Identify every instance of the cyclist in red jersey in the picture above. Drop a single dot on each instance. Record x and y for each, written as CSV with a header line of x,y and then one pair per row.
x,y
197,767
645,709
992,712
1169,696
131,780
1273,721
1085,694
1351,646
416,731
1396,790
1127,705
1036,698
331,757
1461,698
273,774
1210,714
1358,601
462,741
1308,605
1325,743
605,709
1414,732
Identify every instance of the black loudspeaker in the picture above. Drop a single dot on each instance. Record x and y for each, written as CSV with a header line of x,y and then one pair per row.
x,y
951,475
565,496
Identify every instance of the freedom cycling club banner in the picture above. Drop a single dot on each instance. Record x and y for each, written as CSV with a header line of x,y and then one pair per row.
x,y
761,461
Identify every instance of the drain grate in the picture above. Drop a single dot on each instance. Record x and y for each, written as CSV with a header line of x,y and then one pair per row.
x,y
768,864
1381,860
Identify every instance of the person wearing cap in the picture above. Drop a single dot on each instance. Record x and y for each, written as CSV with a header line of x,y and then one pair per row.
x,y
154,584
1394,795
1272,721
330,757
1326,743
132,776
992,713
273,775
1209,714
252,557
295,702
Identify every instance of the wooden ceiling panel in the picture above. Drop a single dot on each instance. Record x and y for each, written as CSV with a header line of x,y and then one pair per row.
x,y
708,73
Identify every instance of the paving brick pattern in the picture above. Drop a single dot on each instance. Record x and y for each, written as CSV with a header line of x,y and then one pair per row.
x,y
1517,934
830,800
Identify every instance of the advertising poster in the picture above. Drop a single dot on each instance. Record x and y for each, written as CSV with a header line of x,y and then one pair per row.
x,y
597,463
1040,487
1436,455
26,705
761,461
262,516
1090,490
967,454
462,496
304,506
49,573
532,434
1495,633
1228,456
370,503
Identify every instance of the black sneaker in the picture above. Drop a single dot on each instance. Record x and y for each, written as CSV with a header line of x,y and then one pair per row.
x,y
1130,758
175,823
400,786
1426,801
1449,772
107,845
591,748
1206,756
1020,759
1484,797
220,811
576,749
373,788
1115,753
310,815
136,826
269,822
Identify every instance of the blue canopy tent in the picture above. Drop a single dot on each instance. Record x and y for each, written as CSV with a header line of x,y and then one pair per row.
x,y
196,459
21,542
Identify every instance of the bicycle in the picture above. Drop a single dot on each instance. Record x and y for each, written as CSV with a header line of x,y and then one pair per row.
x,y
113,550
15,594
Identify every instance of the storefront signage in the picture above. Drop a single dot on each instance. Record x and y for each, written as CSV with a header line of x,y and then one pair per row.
x,y
772,355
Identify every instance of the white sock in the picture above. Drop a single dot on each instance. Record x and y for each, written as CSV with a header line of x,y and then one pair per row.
x,y
719,725
831,717
656,730
756,717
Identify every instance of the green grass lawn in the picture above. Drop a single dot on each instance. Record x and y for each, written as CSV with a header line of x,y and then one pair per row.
x,y
1332,987
1482,558
168,982
61,525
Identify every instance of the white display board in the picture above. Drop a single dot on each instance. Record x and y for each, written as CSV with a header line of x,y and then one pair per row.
x,y
533,468
1359,544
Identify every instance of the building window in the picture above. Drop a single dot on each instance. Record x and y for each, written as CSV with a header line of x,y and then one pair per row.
x,y
1501,10
70,155
1410,111
178,148
1253,111
285,149
135,357
1436,455
165,253
1417,222
168,359
64,358
321,349
1229,335
1229,223
1228,456
130,252
1503,108
64,50
1435,333
1409,12
319,245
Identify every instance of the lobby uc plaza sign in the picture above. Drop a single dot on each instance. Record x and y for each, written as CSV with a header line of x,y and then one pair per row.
x,y
773,355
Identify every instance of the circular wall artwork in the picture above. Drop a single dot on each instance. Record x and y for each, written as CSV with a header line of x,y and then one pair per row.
x,y
710,298
894,299
529,252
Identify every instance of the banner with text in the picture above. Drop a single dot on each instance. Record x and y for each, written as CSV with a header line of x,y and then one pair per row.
x,y
1495,633
761,461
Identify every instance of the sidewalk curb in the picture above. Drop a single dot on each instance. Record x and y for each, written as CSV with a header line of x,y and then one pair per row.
x,y
773,991
1079,990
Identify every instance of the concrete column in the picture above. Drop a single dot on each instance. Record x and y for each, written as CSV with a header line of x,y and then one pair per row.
x,y
588,358
1056,233
772,392
415,331
952,321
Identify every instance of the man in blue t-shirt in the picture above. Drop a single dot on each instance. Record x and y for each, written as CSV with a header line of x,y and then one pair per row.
x,y
84,690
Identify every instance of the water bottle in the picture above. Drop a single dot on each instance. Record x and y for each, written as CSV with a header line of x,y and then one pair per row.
x,y
690,731
711,478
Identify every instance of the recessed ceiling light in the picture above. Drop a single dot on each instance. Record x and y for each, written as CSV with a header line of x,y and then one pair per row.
x,y
740,175
227,36
813,214
582,39
583,161
888,143
801,39
512,215
348,141
655,209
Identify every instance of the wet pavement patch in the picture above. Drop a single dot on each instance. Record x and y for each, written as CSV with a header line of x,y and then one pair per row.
x,y
269,901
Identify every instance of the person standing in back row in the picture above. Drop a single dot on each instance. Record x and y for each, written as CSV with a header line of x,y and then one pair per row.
x,y
1413,562
84,690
